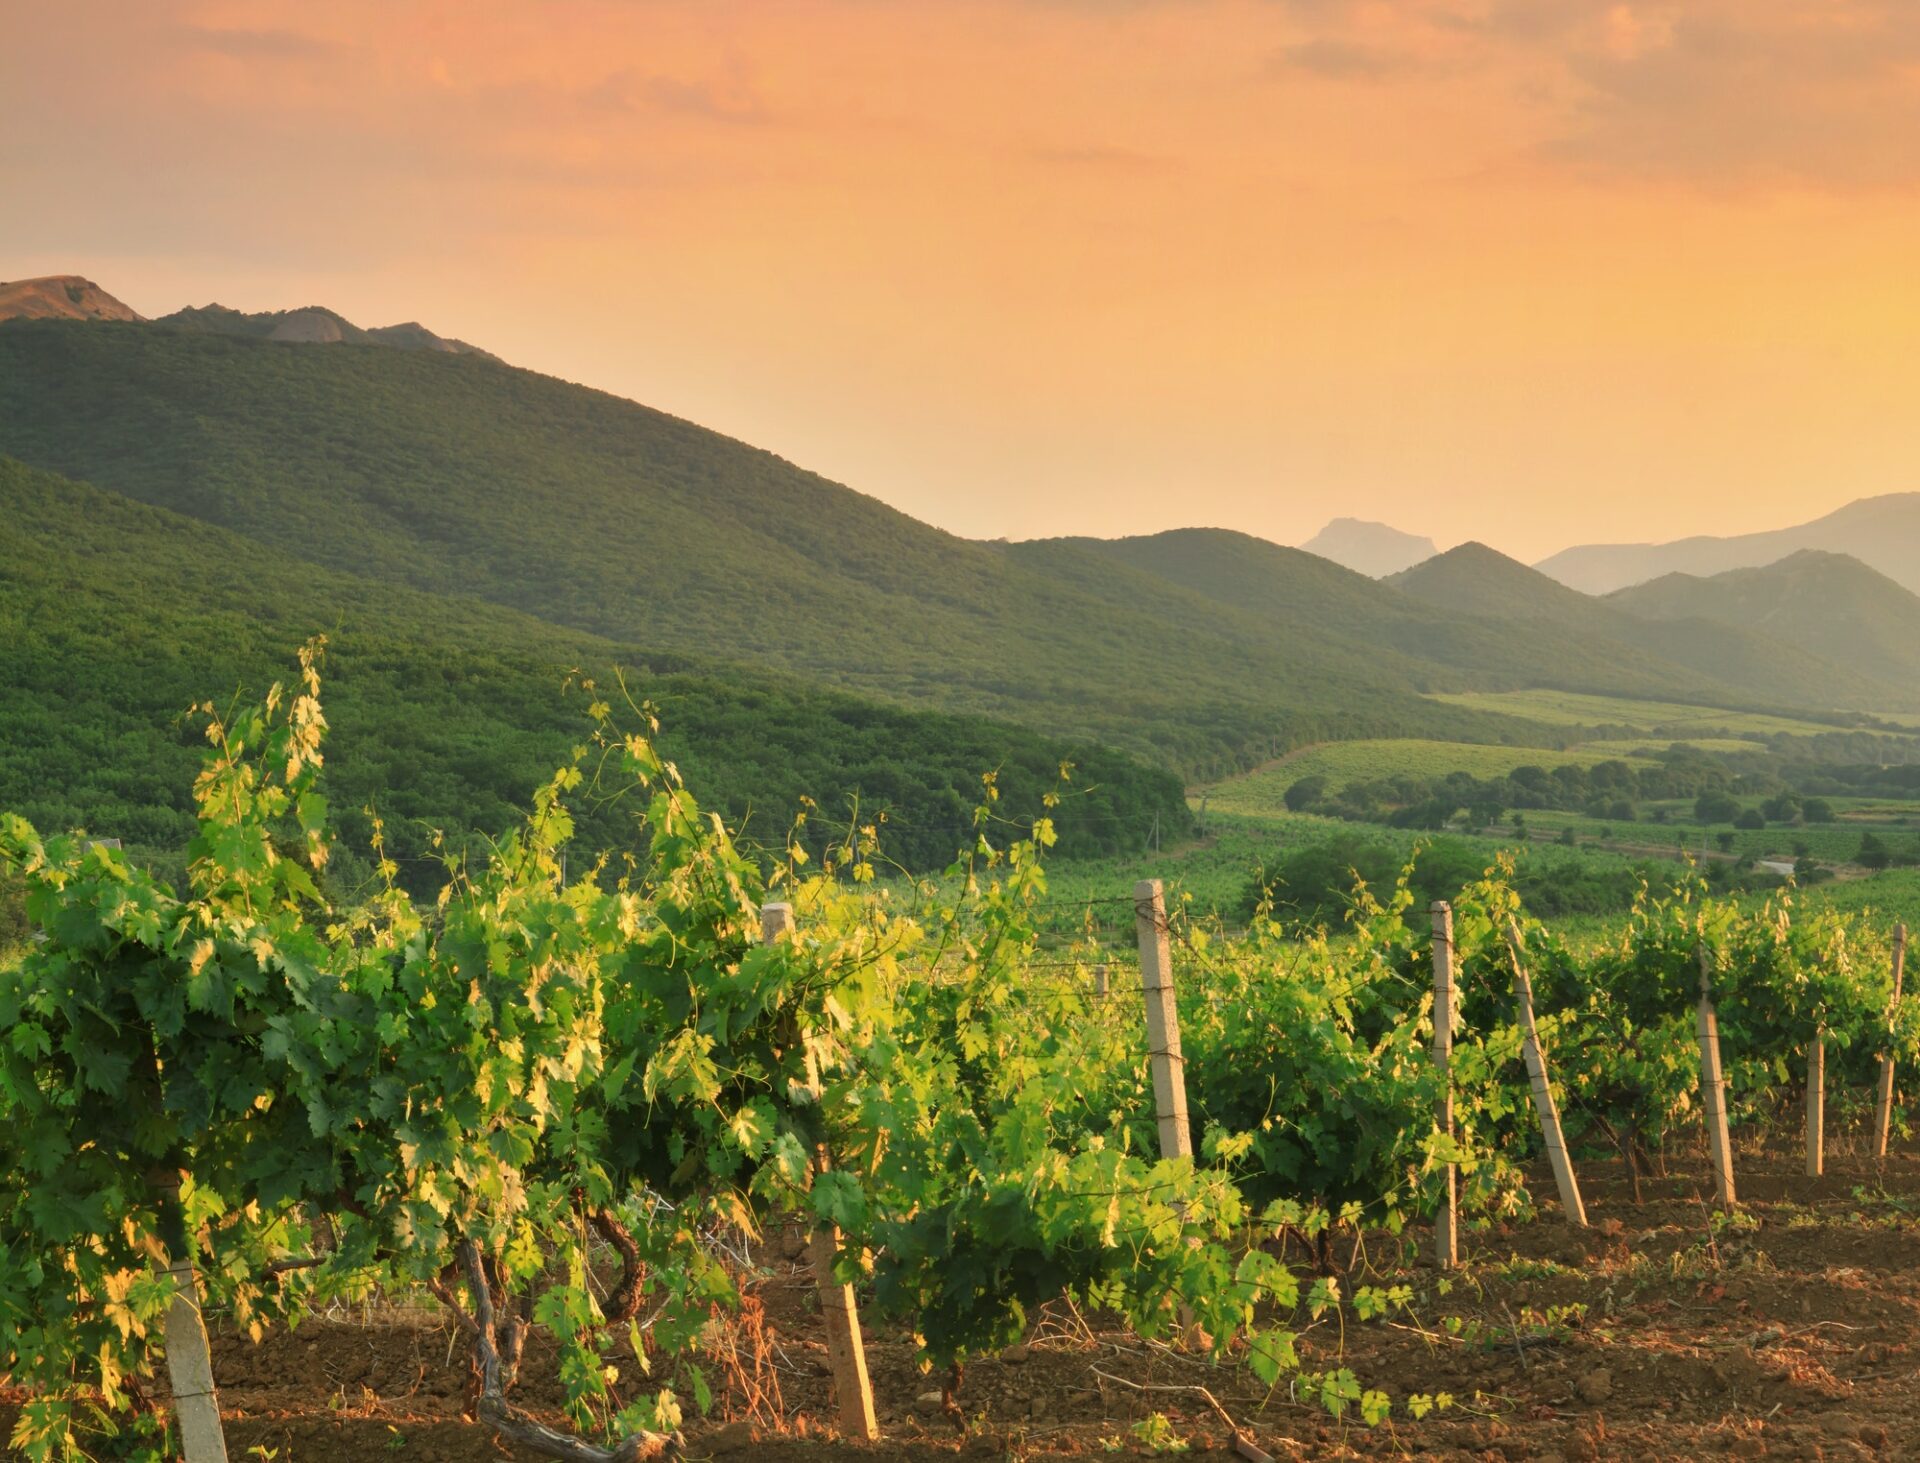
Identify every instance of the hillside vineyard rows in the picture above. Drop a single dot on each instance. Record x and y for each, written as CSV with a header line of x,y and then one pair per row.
x,y
571,1100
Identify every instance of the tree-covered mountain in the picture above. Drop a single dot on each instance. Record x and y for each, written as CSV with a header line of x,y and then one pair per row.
x,y
115,617
1831,606
1726,662
465,505
1500,647
458,475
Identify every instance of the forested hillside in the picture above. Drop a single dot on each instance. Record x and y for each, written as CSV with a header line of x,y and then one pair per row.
x,y
1487,640
1718,659
116,616
1828,605
451,474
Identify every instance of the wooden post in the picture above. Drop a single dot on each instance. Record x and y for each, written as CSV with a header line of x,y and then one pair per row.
x,y
1536,1060
1163,1020
1163,1045
1883,1114
1100,982
1713,1088
196,1402
1446,1224
846,1348
1817,1104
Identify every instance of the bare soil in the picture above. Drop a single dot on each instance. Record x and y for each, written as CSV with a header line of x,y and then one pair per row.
x,y
1790,1333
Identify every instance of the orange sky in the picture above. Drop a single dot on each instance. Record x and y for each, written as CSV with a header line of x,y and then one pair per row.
x,y
1531,271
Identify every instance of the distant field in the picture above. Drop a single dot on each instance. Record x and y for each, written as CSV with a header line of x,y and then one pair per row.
x,y
1570,708
1263,790
1649,746
1896,824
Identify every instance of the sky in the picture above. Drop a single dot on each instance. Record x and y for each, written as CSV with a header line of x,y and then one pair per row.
x,y
1535,272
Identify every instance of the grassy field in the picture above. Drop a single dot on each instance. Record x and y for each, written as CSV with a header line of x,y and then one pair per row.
x,y
1569,708
1896,824
1262,790
1650,746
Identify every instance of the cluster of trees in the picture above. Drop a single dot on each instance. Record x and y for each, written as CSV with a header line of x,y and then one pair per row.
x,y
1315,884
1783,808
1609,789
1789,793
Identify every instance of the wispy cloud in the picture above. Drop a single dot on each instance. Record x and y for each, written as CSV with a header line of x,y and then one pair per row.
x,y
255,44
731,101
1342,60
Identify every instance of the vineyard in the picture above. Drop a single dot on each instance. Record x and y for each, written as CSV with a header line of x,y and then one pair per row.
x,y
656,1148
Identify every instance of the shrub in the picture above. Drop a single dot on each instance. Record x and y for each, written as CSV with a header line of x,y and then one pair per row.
x,y
1305,793
1715,807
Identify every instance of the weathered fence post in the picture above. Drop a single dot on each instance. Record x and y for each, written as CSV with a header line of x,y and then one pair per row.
x,y
1163,1040
1100,982
846,1350
1817,1104
1446,1224
1883,1114
1713,1088
1536,1060
1163,1020
196,1402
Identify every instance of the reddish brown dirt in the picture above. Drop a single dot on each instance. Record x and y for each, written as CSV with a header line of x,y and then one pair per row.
x,y
1794,1333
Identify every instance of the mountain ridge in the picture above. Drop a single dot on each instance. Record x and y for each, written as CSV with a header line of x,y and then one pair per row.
x,y
1828,604
457,474
1726,657
1882,532
314,325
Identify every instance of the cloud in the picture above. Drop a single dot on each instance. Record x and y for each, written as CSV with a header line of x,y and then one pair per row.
x,y
1342,60
1714,94
732,102
1821,95
255,45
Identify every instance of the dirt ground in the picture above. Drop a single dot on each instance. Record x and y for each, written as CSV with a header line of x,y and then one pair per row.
x,y
1788,1333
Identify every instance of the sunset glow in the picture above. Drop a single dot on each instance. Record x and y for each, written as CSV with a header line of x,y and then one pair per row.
x,y
1530,271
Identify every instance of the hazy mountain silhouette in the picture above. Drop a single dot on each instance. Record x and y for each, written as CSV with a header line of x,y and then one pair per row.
x,y
1882,533
1373,549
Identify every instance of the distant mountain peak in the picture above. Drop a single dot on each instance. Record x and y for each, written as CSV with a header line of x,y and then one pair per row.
x,y
1882,532
59,297
1827,603
1373,549
1468,576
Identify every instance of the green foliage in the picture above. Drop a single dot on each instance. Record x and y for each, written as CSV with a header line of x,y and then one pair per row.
x,y
1315,883
460,1091
462,477
446,712
13,911
457,1093
1715,807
